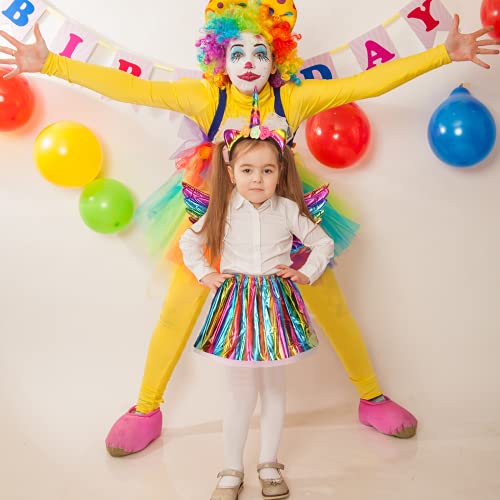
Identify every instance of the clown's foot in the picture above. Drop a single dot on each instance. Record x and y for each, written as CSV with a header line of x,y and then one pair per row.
x,y
388,418
132,432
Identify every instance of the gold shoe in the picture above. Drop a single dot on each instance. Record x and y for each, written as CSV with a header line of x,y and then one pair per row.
x,y
228,493
273,489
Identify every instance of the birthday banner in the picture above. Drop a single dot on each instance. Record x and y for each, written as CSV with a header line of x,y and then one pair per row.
x,y
424,17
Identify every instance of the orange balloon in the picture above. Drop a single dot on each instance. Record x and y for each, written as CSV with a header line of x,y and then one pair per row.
x,y
68,154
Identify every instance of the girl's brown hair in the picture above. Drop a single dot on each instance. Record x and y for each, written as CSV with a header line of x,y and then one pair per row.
x,y
289,186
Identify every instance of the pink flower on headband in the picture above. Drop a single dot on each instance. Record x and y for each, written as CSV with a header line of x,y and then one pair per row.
x,y
265,133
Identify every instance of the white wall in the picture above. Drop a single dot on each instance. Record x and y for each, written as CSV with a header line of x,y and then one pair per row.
x,y
78,308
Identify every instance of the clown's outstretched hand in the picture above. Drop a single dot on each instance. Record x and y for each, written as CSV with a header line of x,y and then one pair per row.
x,y
466,47
26,58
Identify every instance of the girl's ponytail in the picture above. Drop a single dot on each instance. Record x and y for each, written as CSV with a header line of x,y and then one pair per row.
x,y
220,192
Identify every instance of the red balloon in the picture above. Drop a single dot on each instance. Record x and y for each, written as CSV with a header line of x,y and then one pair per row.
x,y
16,101
338,137
490,16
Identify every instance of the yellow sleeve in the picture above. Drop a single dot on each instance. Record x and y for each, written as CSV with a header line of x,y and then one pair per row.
x,y
195,98
312,96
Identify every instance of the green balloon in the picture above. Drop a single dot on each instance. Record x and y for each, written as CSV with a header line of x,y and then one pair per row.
x,y
106,206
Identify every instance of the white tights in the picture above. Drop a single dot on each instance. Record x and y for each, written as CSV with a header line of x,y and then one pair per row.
x,y
243,386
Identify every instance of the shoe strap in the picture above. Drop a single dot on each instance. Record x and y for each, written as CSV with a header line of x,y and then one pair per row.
x,y
270,465
231,472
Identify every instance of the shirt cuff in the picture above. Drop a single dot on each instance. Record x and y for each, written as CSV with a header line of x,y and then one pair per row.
x,y
203,271
446,59
309,272
49,62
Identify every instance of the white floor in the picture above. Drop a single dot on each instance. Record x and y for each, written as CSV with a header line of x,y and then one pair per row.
x,y
328,455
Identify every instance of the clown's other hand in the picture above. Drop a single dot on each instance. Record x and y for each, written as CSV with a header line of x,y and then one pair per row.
x,y
466,47
293,274
26,58
214,280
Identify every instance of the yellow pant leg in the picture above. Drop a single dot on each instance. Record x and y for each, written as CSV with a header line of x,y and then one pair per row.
x,y
326,303
182,306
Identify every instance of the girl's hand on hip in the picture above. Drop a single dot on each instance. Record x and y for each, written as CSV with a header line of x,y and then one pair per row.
x,y
466,47
26,58
214,280
293,274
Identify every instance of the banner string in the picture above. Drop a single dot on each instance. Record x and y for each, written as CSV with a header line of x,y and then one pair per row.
x,y
51,9
387,23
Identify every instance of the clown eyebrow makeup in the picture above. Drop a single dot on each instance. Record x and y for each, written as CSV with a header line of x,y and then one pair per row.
x,y
236,51
261,52
255,46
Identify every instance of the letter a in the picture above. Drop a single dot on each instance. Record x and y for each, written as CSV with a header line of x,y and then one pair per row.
x,y
375,51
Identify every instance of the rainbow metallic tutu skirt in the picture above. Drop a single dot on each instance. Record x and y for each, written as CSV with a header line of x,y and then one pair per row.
x,y
257,320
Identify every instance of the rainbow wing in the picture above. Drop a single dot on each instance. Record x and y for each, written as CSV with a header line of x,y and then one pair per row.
x,y
196,201
316,201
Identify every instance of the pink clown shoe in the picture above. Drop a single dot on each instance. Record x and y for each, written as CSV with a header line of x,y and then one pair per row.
x,y
388,418
132,432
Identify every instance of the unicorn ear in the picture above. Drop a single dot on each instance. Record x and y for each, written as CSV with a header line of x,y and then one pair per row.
x,y
230,135
279,137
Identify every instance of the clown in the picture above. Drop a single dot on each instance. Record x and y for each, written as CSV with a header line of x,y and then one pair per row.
x,y
245,44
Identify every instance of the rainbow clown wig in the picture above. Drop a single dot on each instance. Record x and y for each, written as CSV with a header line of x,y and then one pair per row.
x,y
226,19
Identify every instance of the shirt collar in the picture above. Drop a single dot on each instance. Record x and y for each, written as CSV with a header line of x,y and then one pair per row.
x,y
238,201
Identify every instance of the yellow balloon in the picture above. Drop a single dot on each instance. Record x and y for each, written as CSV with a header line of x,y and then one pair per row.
x,y
68,154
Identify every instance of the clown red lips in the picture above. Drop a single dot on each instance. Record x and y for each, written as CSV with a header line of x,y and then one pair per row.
x,y
249,76
249,62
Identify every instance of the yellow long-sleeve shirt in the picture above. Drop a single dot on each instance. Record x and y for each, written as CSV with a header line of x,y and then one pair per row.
x,y
198,99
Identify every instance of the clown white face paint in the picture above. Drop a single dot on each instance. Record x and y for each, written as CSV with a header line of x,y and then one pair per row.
x,y
249,62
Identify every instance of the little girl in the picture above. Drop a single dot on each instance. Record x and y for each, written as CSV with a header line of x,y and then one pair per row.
x,y
257,320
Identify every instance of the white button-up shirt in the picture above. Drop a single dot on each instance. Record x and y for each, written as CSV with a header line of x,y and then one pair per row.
x,y
256,240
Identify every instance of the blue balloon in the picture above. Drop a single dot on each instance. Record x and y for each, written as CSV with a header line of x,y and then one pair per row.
x,y
462,131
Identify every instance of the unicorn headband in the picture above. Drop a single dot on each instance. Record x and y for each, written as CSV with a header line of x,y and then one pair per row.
x,y
255,130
